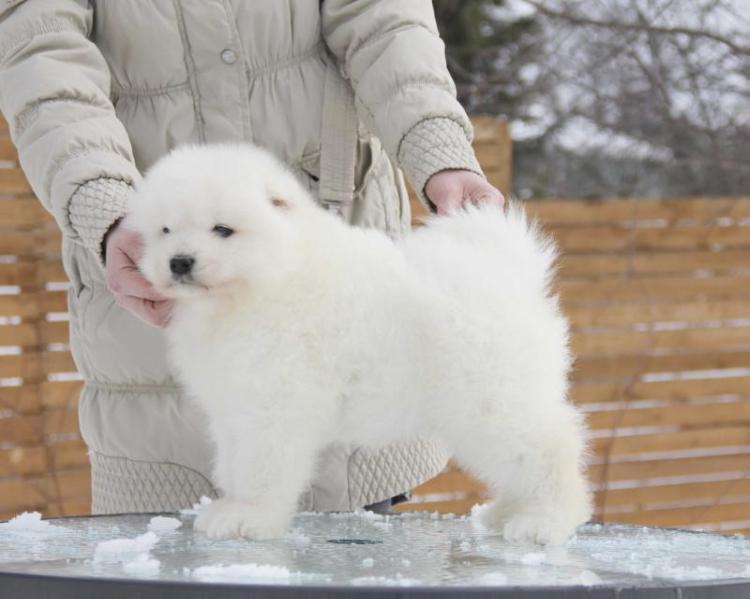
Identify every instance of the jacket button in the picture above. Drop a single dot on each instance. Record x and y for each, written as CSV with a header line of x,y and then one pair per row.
x,y
229,56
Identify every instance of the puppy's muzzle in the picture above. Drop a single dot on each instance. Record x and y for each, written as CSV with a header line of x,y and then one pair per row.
x,y
181,265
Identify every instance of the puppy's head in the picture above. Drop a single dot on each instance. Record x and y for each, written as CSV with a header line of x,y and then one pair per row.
x,y
215,217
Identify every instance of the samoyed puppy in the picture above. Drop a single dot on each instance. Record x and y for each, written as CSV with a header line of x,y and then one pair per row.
x,y
293,330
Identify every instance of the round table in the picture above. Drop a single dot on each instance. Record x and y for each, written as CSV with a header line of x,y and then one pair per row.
x,y
364,555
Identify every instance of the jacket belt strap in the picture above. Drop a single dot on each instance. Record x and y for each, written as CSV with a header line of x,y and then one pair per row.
x,y
338,141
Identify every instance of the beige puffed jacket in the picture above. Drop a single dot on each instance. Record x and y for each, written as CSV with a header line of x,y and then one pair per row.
x,y
347,92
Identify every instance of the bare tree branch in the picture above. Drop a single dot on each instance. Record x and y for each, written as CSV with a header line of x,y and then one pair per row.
x,y
579,19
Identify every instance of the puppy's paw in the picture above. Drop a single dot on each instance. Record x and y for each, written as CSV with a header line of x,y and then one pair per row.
x,y
545,525
229,519
542,526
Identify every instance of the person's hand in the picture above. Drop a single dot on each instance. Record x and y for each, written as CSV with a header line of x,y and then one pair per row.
x,y
131,290
449,190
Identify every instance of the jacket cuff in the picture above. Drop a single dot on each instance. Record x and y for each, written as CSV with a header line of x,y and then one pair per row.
x,y
434,145
94,207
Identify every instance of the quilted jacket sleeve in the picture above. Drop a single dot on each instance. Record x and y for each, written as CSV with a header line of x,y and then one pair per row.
x,y
391,52
54,92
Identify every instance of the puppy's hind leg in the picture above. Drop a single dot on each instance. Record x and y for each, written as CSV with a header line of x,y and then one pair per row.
x,y
536,474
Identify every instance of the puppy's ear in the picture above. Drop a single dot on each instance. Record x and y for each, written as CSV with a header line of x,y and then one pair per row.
x,y
279,203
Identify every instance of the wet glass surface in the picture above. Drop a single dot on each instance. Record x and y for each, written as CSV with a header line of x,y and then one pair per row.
x,y
370,550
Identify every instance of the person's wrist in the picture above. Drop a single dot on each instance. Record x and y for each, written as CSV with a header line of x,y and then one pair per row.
x,y
93,210
433,146
106,237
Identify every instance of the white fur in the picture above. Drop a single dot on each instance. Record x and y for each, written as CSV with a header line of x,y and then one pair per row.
x,y
300,331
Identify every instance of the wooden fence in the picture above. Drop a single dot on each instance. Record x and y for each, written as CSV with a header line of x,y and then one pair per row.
x,y
658,293
43,462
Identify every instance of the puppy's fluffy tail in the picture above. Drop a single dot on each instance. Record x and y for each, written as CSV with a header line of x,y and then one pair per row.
x,y
505,237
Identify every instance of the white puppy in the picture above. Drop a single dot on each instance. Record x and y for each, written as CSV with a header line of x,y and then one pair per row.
x,y
293,330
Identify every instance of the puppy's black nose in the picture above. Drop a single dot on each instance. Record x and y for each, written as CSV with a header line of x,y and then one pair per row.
x,y
181,264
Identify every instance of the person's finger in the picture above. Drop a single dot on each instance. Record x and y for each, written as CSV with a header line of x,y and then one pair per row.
x,y
123,277
154,313
449,204
496,199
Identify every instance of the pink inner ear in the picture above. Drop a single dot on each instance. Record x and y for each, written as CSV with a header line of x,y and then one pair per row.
x,y
279,203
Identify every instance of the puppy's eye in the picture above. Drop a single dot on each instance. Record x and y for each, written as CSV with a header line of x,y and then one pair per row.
x,y
223,231
165,230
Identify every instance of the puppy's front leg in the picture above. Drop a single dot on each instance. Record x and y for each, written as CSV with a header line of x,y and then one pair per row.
x,y
261,469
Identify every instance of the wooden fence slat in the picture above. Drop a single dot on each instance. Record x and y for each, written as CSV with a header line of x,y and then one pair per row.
x,y
598,265
627,366
23,461
729,436
54,332
701,415
617,239
22,212
30,244
643,470
22,273
688,516
52,271
60,394
7,149
13,181
28,304
39,491
634,342
33,365
665,494
31,399
29,430
646,289
451,481
22,430
675,390
592,212
70,454
19,334
58,422
490,130
618,315
22,399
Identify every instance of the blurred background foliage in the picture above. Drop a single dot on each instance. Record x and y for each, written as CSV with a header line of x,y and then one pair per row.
x,y
610,97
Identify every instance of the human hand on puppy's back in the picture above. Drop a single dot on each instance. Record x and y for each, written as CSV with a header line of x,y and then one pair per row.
x,y
131,290
448,190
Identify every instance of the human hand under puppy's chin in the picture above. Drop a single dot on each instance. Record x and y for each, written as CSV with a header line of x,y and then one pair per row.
x,y
450,189
123,249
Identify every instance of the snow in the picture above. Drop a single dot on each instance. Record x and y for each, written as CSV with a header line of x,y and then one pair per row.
x,y
197,507
533,559
589,578
163,524
142,565
29,522
493,579
124,550
415,547
359,514
299,539
242,572
367,581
